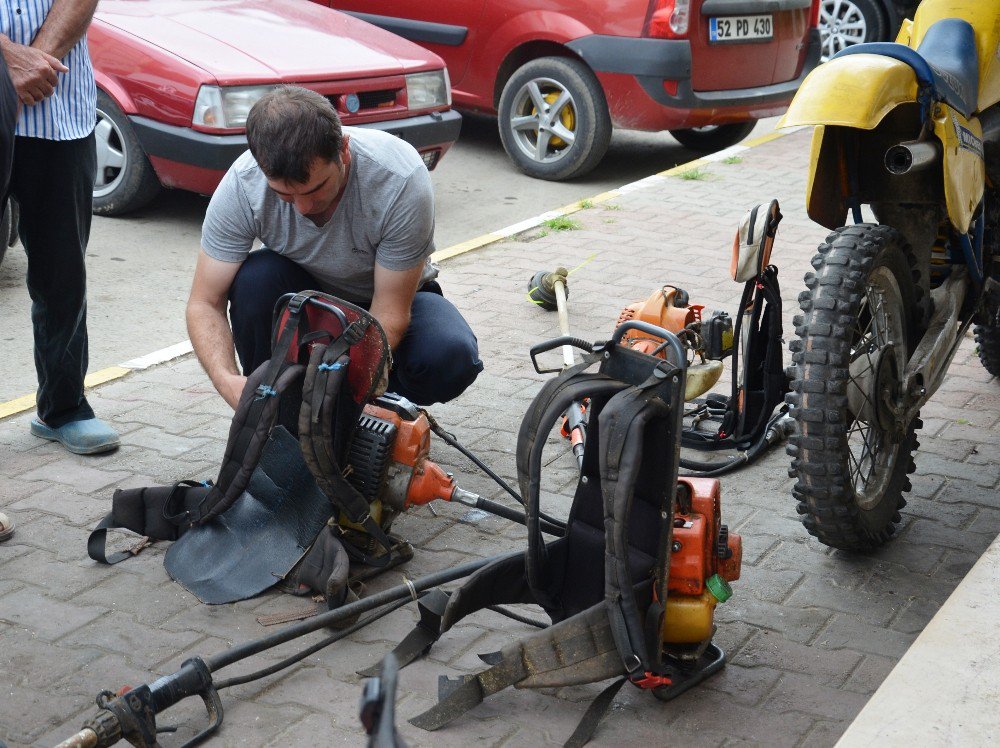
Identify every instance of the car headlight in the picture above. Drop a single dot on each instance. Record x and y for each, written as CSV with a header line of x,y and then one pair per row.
x,y
426,90
226,108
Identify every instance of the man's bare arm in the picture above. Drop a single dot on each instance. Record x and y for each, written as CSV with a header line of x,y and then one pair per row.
x,y
64,26
208,325
394,292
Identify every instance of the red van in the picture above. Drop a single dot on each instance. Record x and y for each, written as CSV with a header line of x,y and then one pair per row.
x,y
559,74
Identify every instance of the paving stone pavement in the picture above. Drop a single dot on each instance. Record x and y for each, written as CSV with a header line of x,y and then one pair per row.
x,y
810,632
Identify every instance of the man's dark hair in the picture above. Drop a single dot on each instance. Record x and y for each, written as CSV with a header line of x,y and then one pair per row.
x,y
288,128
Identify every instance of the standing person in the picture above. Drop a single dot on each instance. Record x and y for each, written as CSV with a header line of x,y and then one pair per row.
x,y
8,120
346,210
45,46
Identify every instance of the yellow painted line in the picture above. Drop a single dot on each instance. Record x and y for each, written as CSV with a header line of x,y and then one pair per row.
x,y
605,196
18,405
105,375
769,137
681,168
467,246
27,402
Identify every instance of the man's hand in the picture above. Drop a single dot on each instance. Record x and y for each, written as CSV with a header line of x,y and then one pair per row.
x,y
383,378
231,388
32,71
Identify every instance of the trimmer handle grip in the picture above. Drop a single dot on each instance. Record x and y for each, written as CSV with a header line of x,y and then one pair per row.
x,y
549,345
132,714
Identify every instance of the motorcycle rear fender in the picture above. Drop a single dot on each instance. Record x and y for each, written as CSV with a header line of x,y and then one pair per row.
x,y
963,170
855,91
858,92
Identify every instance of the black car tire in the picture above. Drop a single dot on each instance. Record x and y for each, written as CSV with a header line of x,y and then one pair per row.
x,y
125,180
834,38
713,138
584,115
988,347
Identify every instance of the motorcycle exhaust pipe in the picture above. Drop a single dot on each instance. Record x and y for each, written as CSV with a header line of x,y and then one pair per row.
x,y
912,155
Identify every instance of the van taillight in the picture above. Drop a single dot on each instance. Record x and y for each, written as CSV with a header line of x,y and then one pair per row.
x,y
670,20
814,15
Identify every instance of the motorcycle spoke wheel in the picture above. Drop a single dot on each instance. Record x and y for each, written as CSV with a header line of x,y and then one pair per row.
x,y
851,455
872,450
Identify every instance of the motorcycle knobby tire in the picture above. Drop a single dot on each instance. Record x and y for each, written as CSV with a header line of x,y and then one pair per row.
x,y
831,507
988,347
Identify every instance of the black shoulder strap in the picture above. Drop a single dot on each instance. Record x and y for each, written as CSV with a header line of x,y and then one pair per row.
x,y
157,512
326,421
547,407
622,431
763,378
255,416
422,637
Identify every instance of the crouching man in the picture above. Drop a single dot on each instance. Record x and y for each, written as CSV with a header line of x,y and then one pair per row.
x,y
348,211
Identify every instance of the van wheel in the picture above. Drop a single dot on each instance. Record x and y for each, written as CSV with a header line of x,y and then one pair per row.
x,y
714,137
125,180
553,118
844,23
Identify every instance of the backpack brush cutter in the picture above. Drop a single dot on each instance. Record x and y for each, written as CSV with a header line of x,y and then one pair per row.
x,y
745,421
630,584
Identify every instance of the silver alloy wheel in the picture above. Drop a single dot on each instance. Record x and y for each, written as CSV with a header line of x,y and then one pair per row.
x,y
841,24
543,120
112,158
873,450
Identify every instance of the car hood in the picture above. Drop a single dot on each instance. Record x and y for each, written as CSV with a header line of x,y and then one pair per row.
x,y
250,41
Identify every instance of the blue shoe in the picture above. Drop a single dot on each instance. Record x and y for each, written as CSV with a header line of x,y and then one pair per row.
x,y
88,437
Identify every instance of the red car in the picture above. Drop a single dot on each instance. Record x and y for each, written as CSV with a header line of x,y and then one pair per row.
x,y
560,74
176,79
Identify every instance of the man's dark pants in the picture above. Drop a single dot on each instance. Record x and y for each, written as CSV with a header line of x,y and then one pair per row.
x,y
53,181
437,359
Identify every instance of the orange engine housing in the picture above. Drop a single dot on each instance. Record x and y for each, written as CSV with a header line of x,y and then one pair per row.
x,y
411,478
696,555
660,310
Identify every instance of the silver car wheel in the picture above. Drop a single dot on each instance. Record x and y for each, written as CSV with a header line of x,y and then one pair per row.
x,y
543,120
112,158
841,25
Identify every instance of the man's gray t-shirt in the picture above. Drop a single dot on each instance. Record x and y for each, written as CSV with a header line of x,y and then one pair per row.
x,y
385,216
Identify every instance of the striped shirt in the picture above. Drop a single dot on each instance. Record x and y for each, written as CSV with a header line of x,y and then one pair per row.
x,y
69,113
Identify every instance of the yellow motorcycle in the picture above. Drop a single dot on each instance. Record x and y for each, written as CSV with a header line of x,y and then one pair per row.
x,y
911,130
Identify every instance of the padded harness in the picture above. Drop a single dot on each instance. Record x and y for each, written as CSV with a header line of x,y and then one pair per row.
x,y
602,583
327,359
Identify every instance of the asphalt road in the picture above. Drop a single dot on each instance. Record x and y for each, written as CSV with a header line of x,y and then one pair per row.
x,y
139,266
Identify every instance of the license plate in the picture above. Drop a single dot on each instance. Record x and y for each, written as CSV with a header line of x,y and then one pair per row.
x,y
740,28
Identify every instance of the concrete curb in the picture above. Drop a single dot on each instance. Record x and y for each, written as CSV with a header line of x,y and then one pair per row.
x,y
27,402
945,689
